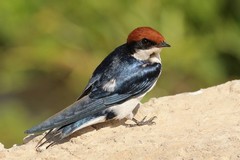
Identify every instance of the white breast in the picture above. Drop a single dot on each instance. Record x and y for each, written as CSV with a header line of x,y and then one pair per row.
x,y
125,109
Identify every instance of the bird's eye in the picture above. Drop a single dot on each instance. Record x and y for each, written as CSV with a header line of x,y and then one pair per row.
x,y
145,41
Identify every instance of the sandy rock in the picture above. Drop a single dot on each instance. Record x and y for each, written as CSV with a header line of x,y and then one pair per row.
x,y
198,125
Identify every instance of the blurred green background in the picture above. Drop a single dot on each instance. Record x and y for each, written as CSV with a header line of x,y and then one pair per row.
x,y
49,49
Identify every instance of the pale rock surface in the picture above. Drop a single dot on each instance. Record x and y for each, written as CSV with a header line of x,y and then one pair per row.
x,y
199,125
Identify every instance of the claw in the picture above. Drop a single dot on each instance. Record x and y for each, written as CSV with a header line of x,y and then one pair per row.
x,y
143,122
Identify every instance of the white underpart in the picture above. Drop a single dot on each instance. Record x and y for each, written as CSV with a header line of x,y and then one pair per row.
x,y
151,54
110,86
125,109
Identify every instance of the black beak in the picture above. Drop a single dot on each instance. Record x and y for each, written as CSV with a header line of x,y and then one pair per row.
x,y
163,44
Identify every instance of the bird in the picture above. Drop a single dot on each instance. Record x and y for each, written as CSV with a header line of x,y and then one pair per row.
x,y
115,89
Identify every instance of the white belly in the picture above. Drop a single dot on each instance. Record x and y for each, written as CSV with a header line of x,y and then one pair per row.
x,y
125,109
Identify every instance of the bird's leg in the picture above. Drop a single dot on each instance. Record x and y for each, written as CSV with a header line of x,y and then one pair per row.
x,y
142,122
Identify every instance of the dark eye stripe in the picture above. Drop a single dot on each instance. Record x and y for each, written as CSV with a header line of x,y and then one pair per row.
x,y
147,43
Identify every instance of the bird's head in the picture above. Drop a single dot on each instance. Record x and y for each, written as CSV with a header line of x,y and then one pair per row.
x,y
146,44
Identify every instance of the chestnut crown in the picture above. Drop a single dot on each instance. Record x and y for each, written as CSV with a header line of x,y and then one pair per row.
x,y
145,38
141,33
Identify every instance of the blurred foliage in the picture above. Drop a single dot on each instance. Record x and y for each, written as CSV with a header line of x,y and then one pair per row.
x,y
49,49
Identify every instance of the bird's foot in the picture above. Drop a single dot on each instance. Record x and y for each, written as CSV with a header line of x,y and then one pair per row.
x,y
142,122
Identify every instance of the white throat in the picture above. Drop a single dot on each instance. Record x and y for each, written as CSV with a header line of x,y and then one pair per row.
x,y
152,55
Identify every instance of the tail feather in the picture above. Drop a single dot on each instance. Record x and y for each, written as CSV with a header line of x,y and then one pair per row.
x,y
77,111
55,135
